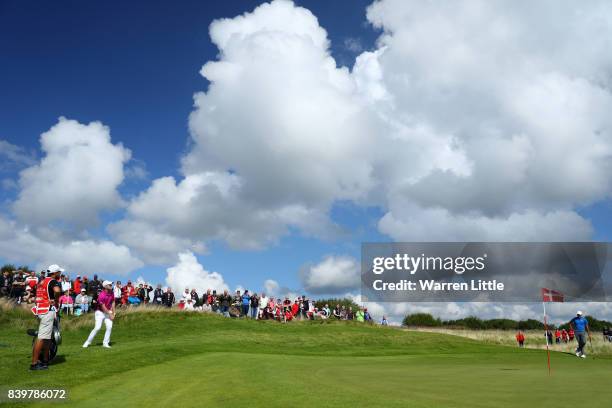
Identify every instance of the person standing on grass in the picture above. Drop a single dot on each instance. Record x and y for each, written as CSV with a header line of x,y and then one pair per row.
x,y
6,281
18,288
246,302
263,303
254,302
94,287
224,301
157,295
48,292
66,285
168,297
295,308
564,335
580,325
117,293
214,302
336,312
304,308
77,285
549,337
520,338
105,313
32,281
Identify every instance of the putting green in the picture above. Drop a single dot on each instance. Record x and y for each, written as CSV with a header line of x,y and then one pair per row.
x,y
273,380
161,359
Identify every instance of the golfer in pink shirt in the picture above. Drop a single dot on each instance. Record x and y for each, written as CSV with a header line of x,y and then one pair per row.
x,y
105,313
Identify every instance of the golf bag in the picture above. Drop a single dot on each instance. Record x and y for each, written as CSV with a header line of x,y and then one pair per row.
x,y
56,339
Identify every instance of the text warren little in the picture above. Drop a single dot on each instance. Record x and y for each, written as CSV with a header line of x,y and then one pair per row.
x,y
431,285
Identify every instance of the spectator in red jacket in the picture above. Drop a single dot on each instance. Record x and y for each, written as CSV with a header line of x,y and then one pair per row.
x,y
128,291
77,284
558,336
31,281
520,338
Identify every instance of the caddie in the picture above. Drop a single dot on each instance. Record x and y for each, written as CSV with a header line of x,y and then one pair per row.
x,y
48,292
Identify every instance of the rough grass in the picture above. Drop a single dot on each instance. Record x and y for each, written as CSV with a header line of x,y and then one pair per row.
x,y
534,339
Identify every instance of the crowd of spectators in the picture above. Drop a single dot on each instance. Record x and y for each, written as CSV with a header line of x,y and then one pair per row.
x,y
79,295
254,306
559,336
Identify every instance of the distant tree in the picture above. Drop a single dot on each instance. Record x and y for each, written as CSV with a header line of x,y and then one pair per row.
x,y
530,324
501,324
422,320
594,324
332,302
8,267
470,322
25,268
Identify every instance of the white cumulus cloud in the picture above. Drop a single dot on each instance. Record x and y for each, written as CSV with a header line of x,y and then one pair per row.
x,y
85,256
334,274
76,179
189,273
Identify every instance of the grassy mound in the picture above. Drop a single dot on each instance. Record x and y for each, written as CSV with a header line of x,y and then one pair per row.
x,y
162,357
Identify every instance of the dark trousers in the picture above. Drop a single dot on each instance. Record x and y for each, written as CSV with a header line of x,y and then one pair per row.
x,y
581,339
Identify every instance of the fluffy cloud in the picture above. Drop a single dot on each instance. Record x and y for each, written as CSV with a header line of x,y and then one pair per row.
x,y
413,223
152,244
86,256
455,135
276,78
527,103
334,274
189,273
202,207
76,179
557,312
271,287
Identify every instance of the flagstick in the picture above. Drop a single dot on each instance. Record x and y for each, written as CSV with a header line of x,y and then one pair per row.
x,y
546,336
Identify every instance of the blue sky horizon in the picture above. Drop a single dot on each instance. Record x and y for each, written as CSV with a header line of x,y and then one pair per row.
x,y
263,142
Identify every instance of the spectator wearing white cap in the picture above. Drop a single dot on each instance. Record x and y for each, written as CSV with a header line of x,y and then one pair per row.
x,y
105,313
82,301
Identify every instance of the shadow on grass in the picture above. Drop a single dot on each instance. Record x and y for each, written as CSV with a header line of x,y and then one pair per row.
x,y
58,360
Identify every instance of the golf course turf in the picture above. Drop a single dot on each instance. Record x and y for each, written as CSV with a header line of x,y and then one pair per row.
x,y
163,358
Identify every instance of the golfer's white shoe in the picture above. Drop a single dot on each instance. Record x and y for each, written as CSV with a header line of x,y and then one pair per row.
x,y
577,354
106,346
85,345
583,355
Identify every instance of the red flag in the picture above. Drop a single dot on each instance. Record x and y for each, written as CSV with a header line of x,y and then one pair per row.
x,y
549,295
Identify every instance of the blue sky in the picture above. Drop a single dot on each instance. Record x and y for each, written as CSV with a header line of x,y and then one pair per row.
x,y
135,68
406,124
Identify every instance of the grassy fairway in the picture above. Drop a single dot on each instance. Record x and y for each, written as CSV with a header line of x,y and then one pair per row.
x,y
173,358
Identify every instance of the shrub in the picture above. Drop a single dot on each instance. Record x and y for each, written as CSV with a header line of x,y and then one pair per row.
x,y
421,319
